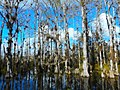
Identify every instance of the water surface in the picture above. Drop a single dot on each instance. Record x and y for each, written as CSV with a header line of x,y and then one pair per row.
x,y
58,82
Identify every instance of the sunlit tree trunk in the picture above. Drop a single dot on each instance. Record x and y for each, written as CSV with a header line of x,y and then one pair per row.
x,y
79,53
1,32
21,48
57,45
29,53
101,60
115,44
39,50
66,38
116,58
111,44
14,54
57,57
84,27
100,45
43,48
35,27
110,28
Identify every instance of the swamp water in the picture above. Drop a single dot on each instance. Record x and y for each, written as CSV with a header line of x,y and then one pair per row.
x,y
58,82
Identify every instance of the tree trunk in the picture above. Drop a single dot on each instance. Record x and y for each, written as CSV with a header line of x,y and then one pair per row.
x,y
115,45
66,38
111,46
110,28
84,27
9,55
103,47
1,32
79,53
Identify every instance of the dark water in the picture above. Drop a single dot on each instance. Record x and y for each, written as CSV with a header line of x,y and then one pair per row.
x,y
58,82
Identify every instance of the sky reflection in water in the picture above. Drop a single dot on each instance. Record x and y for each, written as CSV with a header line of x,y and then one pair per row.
x,y
59,82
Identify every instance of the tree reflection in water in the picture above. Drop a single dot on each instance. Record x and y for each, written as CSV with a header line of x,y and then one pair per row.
x,y
58,82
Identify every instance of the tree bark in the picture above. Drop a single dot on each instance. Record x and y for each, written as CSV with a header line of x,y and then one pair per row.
x,y
85,37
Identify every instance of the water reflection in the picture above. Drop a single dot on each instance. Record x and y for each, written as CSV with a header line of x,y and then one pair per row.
x,y
58,82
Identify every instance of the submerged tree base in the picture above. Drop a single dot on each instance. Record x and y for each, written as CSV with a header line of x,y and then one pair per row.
x,y
102,75
116,74
111,74
8,75
84,74
76,71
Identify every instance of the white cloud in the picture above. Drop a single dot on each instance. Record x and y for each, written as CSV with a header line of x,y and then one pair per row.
x,y
104,26
73,34
90,33
62,35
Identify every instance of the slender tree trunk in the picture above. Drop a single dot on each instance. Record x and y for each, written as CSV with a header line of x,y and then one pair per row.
x,y
85,52
101,61
100,46
115,45
79,53
110,28
103,47
29,54
35,23
111,45
14,65
9,63
1,32
42,45
66,38
116,59
39,50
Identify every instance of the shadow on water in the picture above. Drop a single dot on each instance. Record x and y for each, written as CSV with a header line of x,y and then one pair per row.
x,y
58,82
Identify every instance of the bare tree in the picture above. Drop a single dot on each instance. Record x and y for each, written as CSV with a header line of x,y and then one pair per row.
x,y
10,17
85,38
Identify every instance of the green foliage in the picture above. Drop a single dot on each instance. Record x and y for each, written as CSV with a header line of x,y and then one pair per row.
x,y
82,58
119,68
15,69
31,65
97,67
106,67
81,68
108,55
4,70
